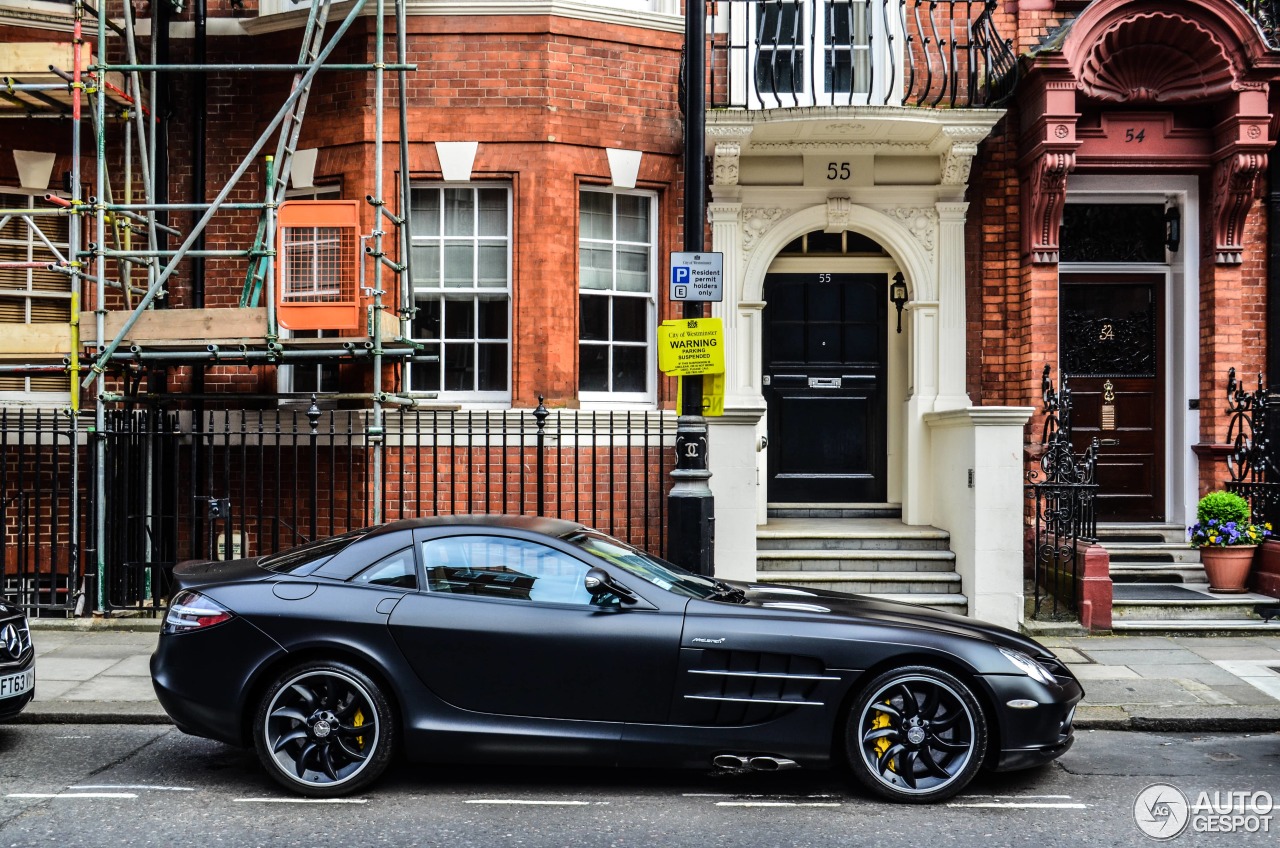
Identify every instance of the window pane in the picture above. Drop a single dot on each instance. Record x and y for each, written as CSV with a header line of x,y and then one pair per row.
x,y
426,263
492,271
493,318
629,319
633,269
492,211
593,368
426,324
633,218
596,266
459,212
595,215
459,265
425,376
426,211
459,367
593,323
459,319
630,372
492,369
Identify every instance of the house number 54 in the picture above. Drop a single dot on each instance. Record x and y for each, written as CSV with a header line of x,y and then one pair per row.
x,y
838,171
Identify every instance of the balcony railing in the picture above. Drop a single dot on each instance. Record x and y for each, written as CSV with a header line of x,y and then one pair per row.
x,y
1267,14
769,54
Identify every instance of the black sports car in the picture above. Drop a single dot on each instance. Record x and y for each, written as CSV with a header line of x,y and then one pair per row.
x,y
502,639
17,661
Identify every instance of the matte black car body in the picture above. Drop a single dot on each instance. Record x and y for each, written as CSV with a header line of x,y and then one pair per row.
x,y
17,661
769,673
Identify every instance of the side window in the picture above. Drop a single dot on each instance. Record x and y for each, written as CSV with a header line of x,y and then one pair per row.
x,y
495,567
396,571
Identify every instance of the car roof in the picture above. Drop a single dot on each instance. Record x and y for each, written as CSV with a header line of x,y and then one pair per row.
x,y
555,527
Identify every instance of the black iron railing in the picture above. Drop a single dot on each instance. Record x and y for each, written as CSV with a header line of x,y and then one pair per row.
x,y
767,54
1267,14
229,483
1250,469
40,456
1064,492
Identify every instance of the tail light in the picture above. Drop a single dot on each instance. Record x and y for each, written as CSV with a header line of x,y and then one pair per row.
x,y
193,611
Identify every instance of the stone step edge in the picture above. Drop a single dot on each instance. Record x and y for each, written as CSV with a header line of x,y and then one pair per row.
x,y
854,554
927,533
860,577
922,599
1197,625
855,505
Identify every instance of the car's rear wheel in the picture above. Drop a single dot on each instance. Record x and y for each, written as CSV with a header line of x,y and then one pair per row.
x,y
324,729
916,735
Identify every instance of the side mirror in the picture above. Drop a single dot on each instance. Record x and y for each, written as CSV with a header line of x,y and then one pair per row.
x,y
598,583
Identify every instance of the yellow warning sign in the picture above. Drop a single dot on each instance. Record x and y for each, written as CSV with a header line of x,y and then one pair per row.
x,y
690,346
712,395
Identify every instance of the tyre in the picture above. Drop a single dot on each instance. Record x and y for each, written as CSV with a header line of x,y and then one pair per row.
x,y
915,735
324,729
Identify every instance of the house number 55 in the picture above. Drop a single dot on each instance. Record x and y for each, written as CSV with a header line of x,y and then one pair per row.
x,y
838,171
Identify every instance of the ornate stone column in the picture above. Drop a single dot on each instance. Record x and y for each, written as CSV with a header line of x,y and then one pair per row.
x,y
951,307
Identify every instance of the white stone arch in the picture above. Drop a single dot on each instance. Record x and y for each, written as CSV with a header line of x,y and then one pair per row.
x,y
911,257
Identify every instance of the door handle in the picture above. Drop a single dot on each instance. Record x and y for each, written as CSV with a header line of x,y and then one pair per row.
x,y
1109,443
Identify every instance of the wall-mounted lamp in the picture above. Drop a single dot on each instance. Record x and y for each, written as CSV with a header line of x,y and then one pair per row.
x,y
1172,229
898,294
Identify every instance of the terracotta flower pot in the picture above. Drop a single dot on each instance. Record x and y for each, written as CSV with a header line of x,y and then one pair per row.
x,y
1227,568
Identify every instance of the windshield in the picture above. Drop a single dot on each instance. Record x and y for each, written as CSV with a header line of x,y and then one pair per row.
x,y
659,572
314,553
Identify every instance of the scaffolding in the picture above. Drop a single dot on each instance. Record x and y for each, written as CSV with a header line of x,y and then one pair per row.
x,y
127,249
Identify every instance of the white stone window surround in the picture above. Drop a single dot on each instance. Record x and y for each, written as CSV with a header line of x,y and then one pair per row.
x,y
616,244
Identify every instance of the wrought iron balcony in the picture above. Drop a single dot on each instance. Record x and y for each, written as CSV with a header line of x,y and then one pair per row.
x,y
1267,14
770,54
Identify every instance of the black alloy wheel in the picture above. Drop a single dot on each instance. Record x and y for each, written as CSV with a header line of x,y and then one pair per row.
x,y
324,729
916,734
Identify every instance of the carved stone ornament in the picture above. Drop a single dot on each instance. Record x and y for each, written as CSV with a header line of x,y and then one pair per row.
x,y
838,209
727,157
958,162
1047,188
923,224
1237,181
757,221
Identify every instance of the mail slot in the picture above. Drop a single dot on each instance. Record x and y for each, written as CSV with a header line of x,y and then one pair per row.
x,y
824,382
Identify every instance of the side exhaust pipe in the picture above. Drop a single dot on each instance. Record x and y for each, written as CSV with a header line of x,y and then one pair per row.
x,y
739,762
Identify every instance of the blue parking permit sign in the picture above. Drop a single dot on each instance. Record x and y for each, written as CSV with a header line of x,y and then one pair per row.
x,y
697,277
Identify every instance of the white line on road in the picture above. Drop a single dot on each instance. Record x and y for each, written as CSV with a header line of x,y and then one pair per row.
x,y
71,795
1025,797
775,804
301,800
1032,805
519,802
135,786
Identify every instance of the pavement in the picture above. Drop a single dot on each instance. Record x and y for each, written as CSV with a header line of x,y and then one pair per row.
x,y
96,671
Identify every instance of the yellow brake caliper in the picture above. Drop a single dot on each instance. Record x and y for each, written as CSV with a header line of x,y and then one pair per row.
x,y
881,745
358,721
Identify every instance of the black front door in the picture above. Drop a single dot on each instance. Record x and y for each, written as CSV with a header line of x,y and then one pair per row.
x,y
825,346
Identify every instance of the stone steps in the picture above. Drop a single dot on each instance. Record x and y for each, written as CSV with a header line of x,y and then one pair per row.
x,y
861,549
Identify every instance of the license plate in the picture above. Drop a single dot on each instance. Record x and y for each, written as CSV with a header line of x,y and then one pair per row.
x,y
16,684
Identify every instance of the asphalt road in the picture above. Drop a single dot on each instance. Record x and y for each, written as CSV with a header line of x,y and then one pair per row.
x,y
113,785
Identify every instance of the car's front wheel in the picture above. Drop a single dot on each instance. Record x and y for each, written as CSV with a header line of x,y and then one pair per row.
x,y
324,729
916,734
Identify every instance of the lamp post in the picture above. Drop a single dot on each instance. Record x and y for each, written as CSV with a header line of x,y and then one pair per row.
x,y
691,507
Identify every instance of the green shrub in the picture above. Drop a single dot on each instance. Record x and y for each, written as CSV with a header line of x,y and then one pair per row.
x,y
1223,507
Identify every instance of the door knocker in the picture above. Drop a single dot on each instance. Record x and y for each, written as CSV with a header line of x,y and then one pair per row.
x,y
1108,406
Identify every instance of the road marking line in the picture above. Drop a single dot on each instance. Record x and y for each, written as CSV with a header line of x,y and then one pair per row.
x,y
71,795
775,804
520,802
134,786
1034,805
301,800
1025,797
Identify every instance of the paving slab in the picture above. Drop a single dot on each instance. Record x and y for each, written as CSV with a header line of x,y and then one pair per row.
x,y
1202,672
1093,671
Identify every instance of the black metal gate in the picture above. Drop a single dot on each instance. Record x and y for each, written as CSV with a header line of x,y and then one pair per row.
x,y
1063,492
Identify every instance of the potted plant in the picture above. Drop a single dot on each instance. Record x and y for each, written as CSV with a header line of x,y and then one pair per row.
x,y
1226,536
